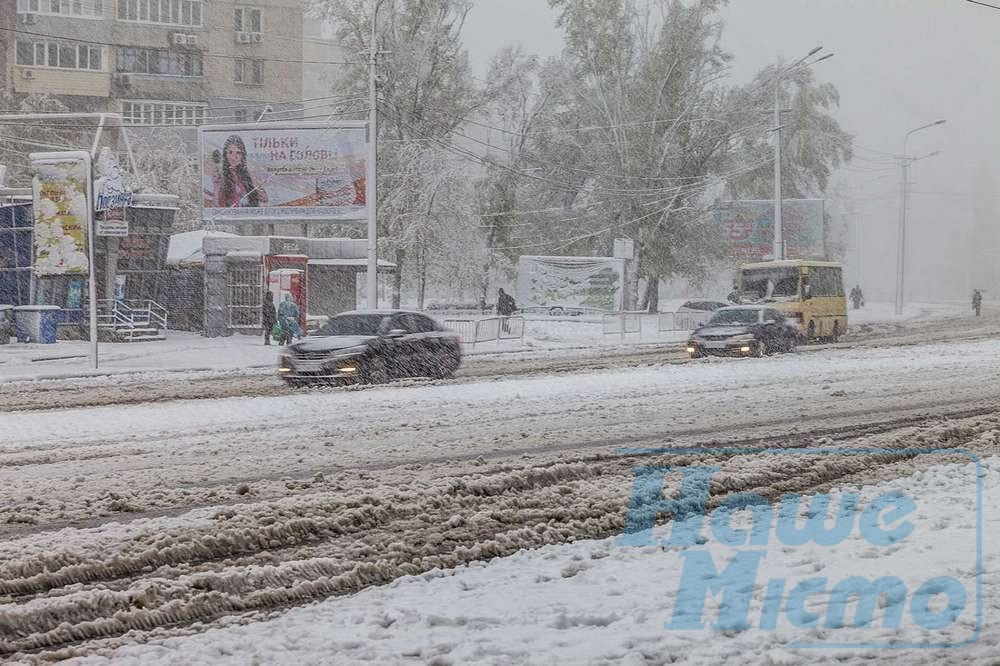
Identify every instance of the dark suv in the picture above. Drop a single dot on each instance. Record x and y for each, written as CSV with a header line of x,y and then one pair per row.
x,y
372,346
743,330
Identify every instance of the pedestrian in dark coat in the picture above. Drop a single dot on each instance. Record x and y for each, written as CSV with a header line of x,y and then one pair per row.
x,y
505,303
977,301
268,316
505,308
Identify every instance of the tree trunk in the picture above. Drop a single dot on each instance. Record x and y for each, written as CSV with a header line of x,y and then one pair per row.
x,y
651,299
397,278
421,277
631,286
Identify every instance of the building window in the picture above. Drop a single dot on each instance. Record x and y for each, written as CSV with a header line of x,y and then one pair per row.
x,y
170,12
81,8
247,19
158,62
250,72
32,53
152,112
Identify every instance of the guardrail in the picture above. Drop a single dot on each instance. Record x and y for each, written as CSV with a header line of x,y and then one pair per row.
x,y
487,329
622,323
681,321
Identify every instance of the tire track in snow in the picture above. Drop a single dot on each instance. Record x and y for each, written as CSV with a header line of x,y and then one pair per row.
x,y
263,557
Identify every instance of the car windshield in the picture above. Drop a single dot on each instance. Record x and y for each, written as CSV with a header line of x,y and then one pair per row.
x,y
353,324
730,317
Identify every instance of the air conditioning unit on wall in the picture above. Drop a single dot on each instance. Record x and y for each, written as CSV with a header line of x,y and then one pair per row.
x,y
256,38
29,19
243,38
180,39
27,74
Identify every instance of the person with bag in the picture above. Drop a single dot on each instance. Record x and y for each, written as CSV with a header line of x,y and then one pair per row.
x,y
268,317
288,318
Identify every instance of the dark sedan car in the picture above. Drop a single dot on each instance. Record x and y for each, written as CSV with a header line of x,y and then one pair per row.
x,y
743,330
372,346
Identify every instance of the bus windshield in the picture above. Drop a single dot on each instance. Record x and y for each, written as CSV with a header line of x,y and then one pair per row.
x,y
770,283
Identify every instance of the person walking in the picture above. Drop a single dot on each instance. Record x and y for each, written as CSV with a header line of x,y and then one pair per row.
x,y
288,317
977,301
505,308
857,297
268,316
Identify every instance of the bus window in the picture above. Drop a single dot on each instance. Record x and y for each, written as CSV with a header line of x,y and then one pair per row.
x,y
826,282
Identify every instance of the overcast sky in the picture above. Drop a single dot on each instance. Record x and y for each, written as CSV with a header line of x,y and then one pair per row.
x,y
899,64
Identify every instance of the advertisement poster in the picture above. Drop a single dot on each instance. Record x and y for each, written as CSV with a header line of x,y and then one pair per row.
x,y
582,282
284,171
60,190
111,223
747,228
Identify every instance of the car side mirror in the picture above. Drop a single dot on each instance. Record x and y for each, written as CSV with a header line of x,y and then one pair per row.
x,y
395,333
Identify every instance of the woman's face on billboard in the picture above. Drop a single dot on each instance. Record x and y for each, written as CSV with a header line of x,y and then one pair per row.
x,y
234,157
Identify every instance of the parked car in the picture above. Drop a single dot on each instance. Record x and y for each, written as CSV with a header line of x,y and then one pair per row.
x,y
744,330
372,346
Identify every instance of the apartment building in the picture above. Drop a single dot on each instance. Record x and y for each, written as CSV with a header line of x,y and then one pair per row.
x,y
157,62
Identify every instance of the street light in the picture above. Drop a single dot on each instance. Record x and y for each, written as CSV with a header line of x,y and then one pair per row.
x,y
371,193
904,163
779,244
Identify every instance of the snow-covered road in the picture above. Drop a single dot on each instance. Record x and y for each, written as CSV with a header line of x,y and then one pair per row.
x,y
144,516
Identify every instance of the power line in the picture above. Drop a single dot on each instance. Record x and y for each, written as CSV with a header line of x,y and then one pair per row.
x,y
567,187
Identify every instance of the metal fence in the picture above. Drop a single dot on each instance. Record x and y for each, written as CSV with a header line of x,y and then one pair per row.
x,y
487,329
681,321
622,323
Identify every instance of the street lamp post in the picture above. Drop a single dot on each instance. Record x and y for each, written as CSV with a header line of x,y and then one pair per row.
x,y
371,192
904,164
778,249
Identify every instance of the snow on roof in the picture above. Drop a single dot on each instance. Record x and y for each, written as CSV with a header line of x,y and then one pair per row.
x,y
186,248
349,262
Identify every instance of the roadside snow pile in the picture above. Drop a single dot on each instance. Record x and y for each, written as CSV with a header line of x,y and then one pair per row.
x,y
604,602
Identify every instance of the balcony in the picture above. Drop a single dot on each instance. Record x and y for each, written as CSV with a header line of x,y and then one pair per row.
x,y
54,81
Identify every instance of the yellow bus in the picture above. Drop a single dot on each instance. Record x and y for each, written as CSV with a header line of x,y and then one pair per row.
x,y
811,292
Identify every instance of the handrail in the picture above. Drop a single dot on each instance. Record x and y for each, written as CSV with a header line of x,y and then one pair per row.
x,y
131,313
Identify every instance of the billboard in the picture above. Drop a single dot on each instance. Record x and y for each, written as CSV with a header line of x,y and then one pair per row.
x,y
747,228
284,171
581,282
62,212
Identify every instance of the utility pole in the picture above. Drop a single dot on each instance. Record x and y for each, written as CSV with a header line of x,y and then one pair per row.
x,y
904,163
371,192
779,243
778,249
